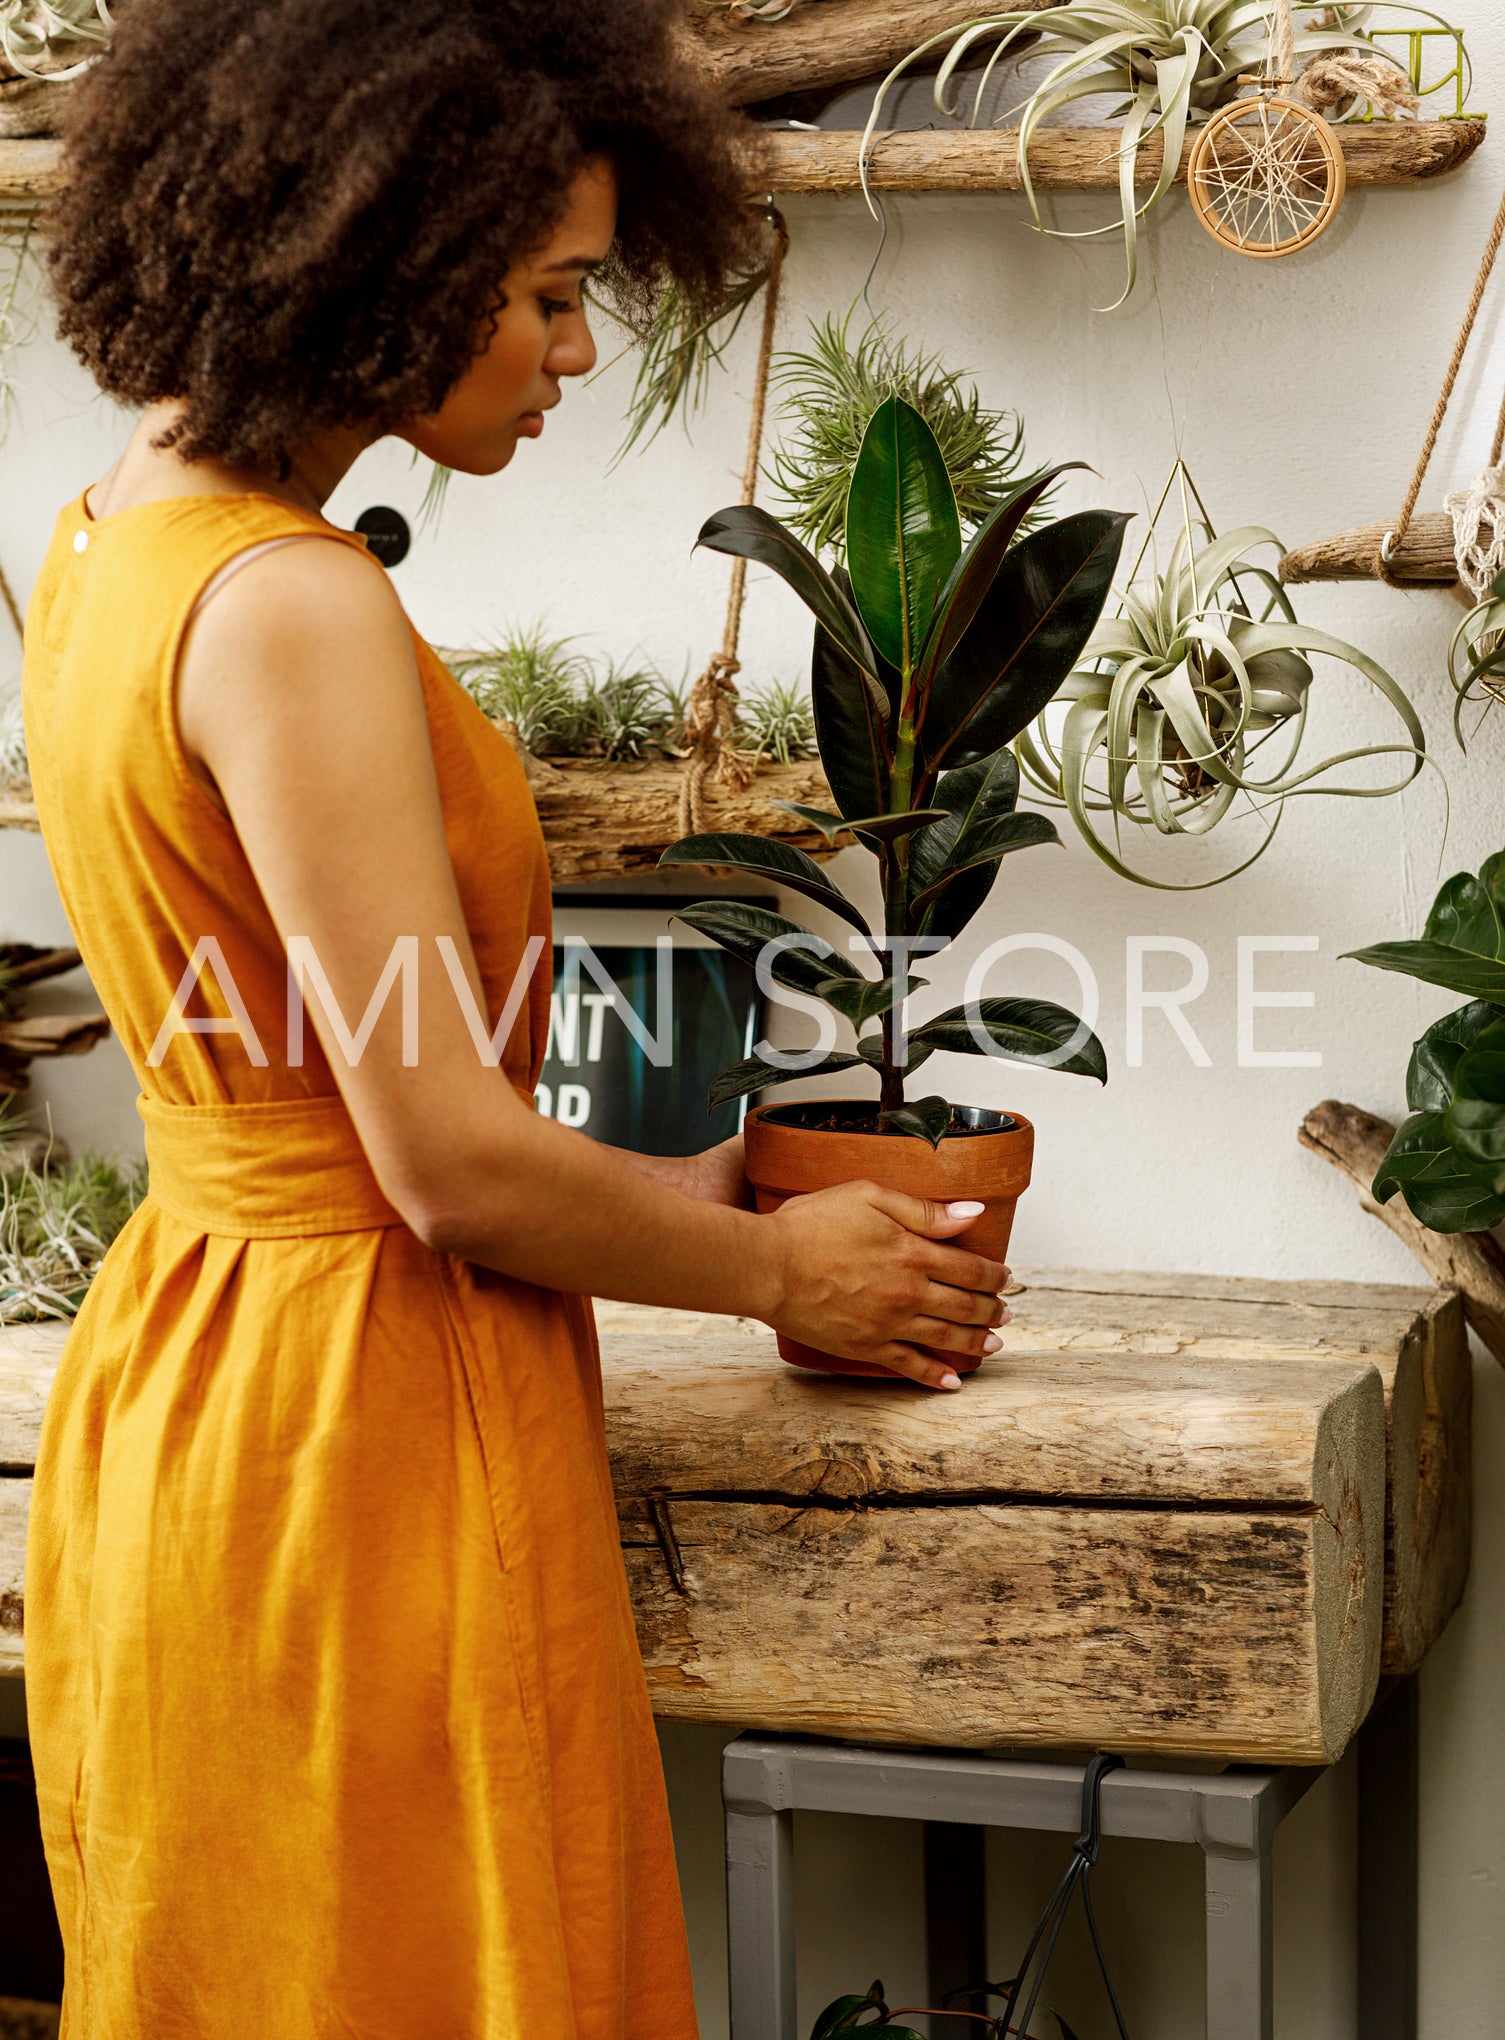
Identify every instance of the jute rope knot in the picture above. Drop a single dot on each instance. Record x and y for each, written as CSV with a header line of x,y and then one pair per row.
x,y
711,712
1334,84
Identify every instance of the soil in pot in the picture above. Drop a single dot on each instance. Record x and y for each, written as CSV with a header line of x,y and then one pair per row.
x,y
986,1156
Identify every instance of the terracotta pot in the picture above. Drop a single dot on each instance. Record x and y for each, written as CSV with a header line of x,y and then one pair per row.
x,y
786,1157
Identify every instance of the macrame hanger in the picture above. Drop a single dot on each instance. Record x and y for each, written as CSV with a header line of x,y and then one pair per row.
x,y
1394,539
710,715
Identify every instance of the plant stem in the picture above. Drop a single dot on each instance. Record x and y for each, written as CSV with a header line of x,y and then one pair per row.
x,y
896,903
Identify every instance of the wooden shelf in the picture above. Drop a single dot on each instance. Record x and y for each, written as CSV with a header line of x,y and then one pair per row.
x,y
1427,557
30,172
1081,159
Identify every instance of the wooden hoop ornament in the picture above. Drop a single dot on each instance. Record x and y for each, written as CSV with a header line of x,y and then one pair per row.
x,y
1266,175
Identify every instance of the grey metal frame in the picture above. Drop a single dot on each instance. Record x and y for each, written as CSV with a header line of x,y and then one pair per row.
x,y
1231,1816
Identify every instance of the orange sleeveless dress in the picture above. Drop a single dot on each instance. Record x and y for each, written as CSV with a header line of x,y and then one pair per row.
x,y
339,1723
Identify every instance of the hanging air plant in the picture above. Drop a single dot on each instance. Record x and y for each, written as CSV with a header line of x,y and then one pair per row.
x,y
53,39
1193,698
831,391
1476,656
1172,63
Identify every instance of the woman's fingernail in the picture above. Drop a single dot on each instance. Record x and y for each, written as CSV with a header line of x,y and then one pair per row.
x,y
991,1343
950,1381
965,1210
1008,1316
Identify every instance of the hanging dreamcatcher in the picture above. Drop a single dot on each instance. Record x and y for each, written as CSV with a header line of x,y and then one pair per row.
x,y
1266,175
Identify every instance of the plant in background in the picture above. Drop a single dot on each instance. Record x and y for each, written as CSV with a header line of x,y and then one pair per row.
x,y
532,681
777,722
1177,696
929,659
625,712
1170,62
55,1227
1448,1159
1476,656
42,38
831,391
15,774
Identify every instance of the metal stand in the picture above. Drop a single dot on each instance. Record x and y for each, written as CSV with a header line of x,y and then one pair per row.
x,y
1231,1817
1389,1818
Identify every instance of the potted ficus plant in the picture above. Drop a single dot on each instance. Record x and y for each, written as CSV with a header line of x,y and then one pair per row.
x,y
929,659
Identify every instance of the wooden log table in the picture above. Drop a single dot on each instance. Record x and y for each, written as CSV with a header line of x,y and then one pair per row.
x,y
1174,1515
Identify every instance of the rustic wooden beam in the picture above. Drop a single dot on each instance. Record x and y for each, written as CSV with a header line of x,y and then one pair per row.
x,y
48,1034
1079,159
1425,556
30,172
23,963
1473,1263
833,43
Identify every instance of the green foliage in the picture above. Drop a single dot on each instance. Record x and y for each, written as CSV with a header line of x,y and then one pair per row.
x,y
1448,1160
14,772
677,351
1476,656
928,662
830,393
1176,696
562,703
55,1227
777,722
1171,63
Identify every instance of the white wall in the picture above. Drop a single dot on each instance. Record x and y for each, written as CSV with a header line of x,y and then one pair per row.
x,y
1313,379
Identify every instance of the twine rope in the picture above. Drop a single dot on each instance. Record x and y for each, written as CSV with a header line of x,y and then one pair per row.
x,y
1391,543
710,714
1282,57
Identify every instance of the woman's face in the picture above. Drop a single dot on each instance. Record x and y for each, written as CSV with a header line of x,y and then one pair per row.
x,y
540,337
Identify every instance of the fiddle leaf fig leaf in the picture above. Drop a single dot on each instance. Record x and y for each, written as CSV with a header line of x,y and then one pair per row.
x,y
903,533
754,1075
1475,1120
1463,945
804,964
767,858
1433,1071
927,1119
748,533
1437,1185
1019,1030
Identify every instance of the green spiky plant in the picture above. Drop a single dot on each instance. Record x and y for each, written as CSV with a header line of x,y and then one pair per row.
x,y
929,659
43,38
831,389
563,703
677,350
1170,64
778,721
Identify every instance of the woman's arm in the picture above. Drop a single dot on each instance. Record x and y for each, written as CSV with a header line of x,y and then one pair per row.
x,y
299,701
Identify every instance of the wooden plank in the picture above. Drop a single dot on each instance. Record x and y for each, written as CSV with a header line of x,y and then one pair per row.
x,y
1178,1632
29,1355
1426,556
19,811
15,1505
30,172
1080,159
833,43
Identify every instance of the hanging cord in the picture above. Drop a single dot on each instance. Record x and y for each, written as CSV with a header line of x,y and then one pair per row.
x,y
1282,57
710,715
1392,541
12,607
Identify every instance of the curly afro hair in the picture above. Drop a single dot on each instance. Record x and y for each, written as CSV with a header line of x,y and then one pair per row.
x,y
295,214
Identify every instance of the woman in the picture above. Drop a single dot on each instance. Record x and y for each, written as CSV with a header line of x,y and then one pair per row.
x,y
338,1720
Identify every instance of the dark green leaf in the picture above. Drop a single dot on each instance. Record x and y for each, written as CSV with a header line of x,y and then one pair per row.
x,y
1435,1182
980,793
849,730
1469,913
903,534
769,859
1021,1030
746,931
1029,632
748,533
1434,1060
975,571
957,903
1475,1121
893,828
1435,963
842,2014
870,1049
755,1074
867,998
986,844
829,825
927,1119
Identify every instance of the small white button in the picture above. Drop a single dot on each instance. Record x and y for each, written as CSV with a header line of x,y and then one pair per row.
x,y
81,541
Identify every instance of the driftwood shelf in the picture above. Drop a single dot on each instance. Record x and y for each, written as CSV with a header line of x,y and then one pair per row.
x,y
1082,159
1174,1514
1425,556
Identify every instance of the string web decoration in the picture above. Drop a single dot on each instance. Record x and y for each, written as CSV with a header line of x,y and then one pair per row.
x,y
1267,176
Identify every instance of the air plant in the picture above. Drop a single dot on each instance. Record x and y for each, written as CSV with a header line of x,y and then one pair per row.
x,y
31,32
531,681
929,658
55,1228
1172,64
1179,693
777,722
15,775
831,391
625,712
1476,656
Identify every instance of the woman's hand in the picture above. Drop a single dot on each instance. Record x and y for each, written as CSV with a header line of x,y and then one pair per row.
x,y
867,1277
